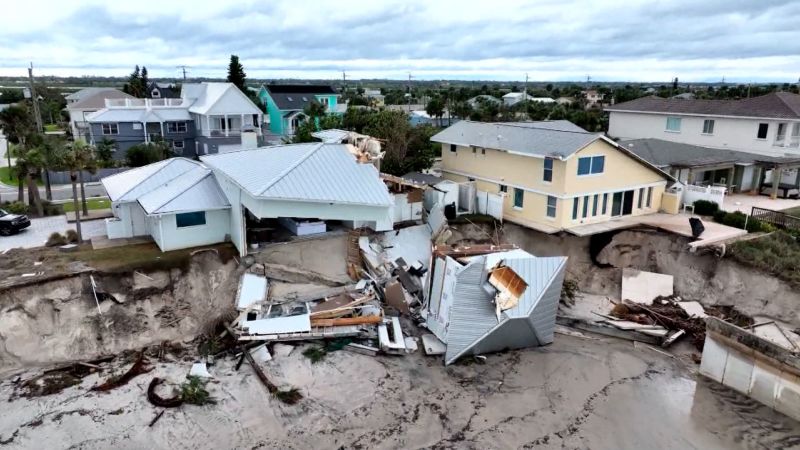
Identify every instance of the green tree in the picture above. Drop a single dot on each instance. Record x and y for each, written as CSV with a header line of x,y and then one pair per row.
x,y
462,110
105,153
52,152
29,164
19,127
74,162
144,80
407,148
144,154
83,154
134,85
236,74
435,108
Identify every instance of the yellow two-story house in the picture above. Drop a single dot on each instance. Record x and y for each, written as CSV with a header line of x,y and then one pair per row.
x,y
554,175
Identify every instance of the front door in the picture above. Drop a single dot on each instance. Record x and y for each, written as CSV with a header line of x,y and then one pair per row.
x,y
627,203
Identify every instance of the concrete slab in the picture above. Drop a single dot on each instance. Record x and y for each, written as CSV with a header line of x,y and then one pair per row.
x,y
36,235
642,287
738,371
746,202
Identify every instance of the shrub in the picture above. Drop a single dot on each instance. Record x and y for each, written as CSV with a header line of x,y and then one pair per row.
x,y
719,216
738,219
705,207
71,236
55,240
16,208
776,253
52,209
194,392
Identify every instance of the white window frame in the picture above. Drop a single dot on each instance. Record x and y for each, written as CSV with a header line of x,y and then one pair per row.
x,y
708,126
175,145
111,131
175,127
672,120
552,210
591,159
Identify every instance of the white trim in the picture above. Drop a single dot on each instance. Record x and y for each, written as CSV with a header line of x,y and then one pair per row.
x,y
560,196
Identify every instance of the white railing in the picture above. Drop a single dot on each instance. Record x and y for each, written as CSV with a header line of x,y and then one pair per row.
x,y
711,193
142,102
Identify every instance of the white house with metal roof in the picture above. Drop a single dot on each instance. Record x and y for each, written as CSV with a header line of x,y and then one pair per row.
x,y
177,202
183,203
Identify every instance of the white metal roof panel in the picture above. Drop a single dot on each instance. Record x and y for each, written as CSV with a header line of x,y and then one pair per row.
x,y
195,190
303,172
128,186
117,115
252,289
333,136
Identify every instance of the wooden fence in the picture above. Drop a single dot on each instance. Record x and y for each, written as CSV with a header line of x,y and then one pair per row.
x,y
777,218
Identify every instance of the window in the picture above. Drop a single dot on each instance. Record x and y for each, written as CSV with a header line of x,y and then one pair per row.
x,y
453,148
594,204
155,93
708,126
763,128
674,124
176,127
474,150
575,208
191,219
177,145
519,196
323,100
137,126
503,188
605,203
548,170
641,198
781,134
585,207
591,165
110,128
649,196
552,202
483,151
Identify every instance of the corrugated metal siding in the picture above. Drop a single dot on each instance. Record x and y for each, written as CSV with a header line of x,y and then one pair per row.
x,y
472,314
543,317
511,334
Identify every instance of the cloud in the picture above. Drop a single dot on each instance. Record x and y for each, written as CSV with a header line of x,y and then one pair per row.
x,y
501,39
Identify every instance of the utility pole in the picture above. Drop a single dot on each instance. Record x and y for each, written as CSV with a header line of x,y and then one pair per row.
x,y
409,92
35,99
525,89
183,69
344,82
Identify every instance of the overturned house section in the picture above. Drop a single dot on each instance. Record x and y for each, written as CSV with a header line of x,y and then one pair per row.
x,y
468,312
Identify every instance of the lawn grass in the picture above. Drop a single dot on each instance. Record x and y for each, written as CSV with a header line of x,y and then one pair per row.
x,y
777,253
52,127
7,177
92,203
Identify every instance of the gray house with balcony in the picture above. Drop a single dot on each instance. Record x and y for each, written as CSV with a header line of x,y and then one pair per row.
x,y
208,118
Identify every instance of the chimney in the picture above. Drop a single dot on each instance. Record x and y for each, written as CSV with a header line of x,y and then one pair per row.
x,y
249,137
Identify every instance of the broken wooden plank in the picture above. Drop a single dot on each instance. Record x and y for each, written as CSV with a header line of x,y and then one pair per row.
x,y
607,330
672,338
346,321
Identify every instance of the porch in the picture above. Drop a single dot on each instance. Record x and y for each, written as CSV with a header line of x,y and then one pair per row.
x,y
227,125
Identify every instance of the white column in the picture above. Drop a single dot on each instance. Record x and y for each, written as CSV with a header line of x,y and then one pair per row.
x,y
162,129
225,118
208,126
144,127
241,122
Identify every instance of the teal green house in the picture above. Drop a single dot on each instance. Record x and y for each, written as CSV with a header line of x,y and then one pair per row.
x,y
286,103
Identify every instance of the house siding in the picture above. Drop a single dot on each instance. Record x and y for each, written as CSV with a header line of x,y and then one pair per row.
x,y
215,230
129,137
729,133
496,168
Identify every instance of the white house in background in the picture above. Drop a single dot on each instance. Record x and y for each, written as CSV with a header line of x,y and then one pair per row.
x,y
182,203
767,125
86,101
512,98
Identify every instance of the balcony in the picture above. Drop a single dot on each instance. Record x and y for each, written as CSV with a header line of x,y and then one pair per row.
x,y
143,102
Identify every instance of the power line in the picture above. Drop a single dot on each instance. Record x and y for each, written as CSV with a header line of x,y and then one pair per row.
x,y
183,69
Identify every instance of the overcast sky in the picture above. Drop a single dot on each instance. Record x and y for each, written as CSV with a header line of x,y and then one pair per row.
x,y
742,40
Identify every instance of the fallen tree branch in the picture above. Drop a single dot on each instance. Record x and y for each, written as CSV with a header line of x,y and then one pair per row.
x,y
158,400
290,397
155,419
138,368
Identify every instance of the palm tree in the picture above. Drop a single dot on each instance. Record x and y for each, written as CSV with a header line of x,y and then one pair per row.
x,y
74,161
29,164
83,155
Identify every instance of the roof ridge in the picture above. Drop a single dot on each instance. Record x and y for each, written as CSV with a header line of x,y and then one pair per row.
x,y
169,161
289,169
515,125
207,173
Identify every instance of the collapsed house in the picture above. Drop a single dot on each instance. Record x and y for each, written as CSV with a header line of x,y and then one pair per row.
x,y
487,299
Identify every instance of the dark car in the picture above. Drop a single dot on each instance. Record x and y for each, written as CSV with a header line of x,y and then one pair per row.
x,y
12,223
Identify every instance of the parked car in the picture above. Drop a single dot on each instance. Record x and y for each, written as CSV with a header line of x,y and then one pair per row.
x,y
12,223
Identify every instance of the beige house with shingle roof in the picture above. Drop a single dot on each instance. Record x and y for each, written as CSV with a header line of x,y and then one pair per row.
x,y
86,101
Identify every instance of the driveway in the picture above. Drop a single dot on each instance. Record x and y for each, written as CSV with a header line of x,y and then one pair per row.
x,y
36,235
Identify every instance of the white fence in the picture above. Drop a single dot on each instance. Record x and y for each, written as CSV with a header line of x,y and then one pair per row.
x,y
711,193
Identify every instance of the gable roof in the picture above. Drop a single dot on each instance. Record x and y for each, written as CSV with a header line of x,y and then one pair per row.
x,y
538,139
314,172
296,96
140,114
85,92
96,99
777,105
206,95
169,186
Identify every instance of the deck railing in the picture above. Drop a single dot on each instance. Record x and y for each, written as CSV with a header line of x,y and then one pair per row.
x,y
777,218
